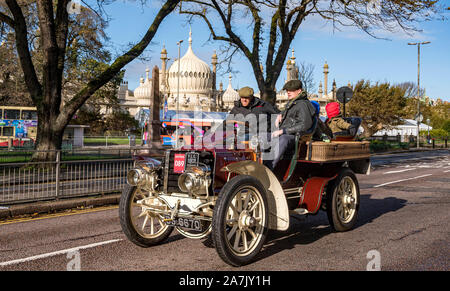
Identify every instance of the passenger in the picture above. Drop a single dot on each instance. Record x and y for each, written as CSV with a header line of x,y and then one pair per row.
x,y
296,119
322,132
335,121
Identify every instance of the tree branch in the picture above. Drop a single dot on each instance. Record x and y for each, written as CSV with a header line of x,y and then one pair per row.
x,y
62,30
6,19
208,23
78,100
20,28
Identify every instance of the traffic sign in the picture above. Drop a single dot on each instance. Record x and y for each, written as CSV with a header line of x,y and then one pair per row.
x,y
344,94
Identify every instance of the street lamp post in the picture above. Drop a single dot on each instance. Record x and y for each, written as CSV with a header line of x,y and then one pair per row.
x,y
178,94
418,85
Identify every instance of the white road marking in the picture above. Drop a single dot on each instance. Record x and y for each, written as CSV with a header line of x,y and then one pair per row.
x,y
446,171
401,180
399,171
61,252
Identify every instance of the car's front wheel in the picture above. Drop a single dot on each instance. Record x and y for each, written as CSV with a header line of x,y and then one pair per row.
x,y
239,225
141,217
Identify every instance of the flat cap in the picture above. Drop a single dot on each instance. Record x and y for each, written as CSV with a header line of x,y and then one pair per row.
x,y
293,85
246,92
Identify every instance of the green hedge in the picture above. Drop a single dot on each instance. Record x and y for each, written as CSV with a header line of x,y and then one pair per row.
x,y
381,146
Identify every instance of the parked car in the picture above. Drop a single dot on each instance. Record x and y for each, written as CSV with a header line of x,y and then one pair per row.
x,y
226,196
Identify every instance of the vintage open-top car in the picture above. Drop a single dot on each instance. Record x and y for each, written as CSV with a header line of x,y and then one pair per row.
x,y
227,197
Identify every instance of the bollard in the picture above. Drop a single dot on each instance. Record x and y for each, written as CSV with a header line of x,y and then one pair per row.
x,y
58,168
433,142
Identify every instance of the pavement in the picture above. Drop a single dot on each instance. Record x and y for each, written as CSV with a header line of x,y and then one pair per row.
x,y
411,150
35,208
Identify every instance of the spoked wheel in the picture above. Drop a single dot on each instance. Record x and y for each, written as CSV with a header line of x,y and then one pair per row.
x,y
343,201
141,217
240,220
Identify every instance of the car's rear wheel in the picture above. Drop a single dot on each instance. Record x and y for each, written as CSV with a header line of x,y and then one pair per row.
x,y
141,217
343,201
240,220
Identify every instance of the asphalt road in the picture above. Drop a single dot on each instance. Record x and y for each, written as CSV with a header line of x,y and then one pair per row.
x,y
402,225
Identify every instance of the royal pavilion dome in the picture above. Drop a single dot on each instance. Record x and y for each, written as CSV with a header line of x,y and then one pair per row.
x,y
195,75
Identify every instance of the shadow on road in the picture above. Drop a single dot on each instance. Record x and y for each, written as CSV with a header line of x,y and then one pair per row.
x,y
370,209
310,229
174,237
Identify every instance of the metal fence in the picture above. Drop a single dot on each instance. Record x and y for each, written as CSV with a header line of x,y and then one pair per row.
x,y
27,181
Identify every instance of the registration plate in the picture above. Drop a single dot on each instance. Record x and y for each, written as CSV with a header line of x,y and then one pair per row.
x,y
189,223
192,159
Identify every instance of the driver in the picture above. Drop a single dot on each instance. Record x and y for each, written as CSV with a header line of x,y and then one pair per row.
x,y
249,104
295,119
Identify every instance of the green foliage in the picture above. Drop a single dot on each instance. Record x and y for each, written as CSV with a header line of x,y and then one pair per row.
x,y
114,124
381,146
446,126
379,105
12,86
119,122
439,132
87,57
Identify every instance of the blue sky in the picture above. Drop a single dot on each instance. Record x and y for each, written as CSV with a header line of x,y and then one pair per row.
x,y
351,54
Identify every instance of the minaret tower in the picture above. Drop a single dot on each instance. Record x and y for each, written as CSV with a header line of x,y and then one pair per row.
x,y
288,70
164,85
214,66
293,57
294,72
190,37
147,75
291,68
320,90
325,82
214,91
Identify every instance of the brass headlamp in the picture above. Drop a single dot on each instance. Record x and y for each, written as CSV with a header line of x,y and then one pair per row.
x,y
195,180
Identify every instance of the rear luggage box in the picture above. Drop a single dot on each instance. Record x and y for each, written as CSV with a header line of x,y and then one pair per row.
x,y
337,150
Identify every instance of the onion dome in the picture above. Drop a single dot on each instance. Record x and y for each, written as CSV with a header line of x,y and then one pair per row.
x,y
195,74
230,95
144,91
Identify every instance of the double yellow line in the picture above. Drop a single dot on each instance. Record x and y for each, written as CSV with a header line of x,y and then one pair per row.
x,y
53,215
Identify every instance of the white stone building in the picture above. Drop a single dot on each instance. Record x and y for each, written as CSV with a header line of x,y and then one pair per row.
x,y
407,128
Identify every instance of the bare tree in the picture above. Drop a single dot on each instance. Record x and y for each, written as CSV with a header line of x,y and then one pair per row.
x,y
411,89
306,75
273,25
46,91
